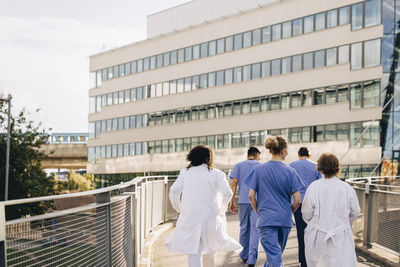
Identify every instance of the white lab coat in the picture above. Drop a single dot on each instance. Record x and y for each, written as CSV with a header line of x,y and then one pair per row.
x,y
328,207
205,197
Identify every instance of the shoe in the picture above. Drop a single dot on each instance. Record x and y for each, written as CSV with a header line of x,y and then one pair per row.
x,y
244,260
251,265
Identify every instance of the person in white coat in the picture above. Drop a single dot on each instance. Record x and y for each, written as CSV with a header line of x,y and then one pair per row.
x,y
201,195
328,208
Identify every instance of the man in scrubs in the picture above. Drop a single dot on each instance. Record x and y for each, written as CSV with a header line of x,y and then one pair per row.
x,y
274,183
249,237
308,172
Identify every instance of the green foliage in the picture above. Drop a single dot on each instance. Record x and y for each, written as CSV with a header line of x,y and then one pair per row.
x,y
76,182
26,178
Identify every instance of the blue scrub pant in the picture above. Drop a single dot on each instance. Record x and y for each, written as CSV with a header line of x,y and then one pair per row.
x,y
273,240
249,237
300,226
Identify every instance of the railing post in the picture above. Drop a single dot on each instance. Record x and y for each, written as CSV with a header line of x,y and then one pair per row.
x,y
3,254
165,199
370,216
366,215
101,199
131,190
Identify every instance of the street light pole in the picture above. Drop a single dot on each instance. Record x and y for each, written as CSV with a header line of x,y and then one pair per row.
x,y
8,148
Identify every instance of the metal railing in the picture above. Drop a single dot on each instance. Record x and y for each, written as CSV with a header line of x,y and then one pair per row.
x,y
379,221
108,232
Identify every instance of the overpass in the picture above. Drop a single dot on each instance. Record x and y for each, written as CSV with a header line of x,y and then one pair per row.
x,y
65,151
124,226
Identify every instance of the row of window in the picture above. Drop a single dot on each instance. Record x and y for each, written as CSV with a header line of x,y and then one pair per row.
x,y
363,14
361,94
322,133
363,54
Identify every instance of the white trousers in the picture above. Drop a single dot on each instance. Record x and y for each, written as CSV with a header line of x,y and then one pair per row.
x,y
195,259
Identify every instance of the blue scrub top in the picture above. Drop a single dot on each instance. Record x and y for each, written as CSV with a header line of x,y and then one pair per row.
x,y
240,172
274,183
307,171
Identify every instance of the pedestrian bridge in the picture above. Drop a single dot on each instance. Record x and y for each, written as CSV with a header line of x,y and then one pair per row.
x,y
127,225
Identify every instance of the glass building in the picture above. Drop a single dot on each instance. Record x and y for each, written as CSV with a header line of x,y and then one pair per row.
x,y
322,75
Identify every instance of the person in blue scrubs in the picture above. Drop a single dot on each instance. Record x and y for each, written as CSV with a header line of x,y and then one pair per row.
x,y
274,183
249,237
308,173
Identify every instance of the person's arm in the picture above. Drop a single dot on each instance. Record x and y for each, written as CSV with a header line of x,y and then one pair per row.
x,y
308,206
354,206
175,193
232,206
225,191
297,201
252,198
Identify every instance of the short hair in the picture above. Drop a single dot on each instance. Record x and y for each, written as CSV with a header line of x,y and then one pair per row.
x,y
275,144
303,152
253,151
328,165
200,154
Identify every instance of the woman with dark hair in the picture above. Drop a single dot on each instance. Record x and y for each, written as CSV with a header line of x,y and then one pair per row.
x,y
201,195
274,183
328,208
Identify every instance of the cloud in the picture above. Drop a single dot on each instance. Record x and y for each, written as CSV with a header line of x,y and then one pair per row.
x,y
44,62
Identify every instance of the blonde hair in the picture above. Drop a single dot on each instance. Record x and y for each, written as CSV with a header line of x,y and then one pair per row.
x,y
275,144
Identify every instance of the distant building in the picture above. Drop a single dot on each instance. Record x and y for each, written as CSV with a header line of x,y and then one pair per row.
x,y
67,138
228,73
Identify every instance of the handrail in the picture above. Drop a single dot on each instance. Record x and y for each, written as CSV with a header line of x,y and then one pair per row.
x,y
79,194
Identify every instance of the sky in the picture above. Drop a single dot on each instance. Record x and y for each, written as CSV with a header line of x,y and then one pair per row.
x,y
45,47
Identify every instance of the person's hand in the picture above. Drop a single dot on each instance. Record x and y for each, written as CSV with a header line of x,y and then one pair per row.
x,y
232,207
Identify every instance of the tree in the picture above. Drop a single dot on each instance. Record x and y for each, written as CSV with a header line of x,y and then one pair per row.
x,y
76,182
26,178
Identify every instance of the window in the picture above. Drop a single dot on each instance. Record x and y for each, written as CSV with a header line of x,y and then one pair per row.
x,y
227,140
265,103
330,94
372,12
212,48
342,132
295,135
135,66
166,59
229,43
228,109
211,112
211,79
255,71
266,34
172,87
320,21
196,51
275,102
276,67
255,105
255,138
115,124
195,114
115,72
228,76
371,135
308,24
286,65
115,98
110,73
332,18
203,113
307,98
356,16
139,121
181,55
330,132
246,73
203,50
297,27
296,100
285,101
319,133
319,58
166,88
179,145
308,61
236,108
246,39
343,54
153,62
220,78
344,15
371,94
188,53
372,50
203,81
122,70
343,92
195,82
104,75
355,95
266,69
296,63
126,123
237,74
276,32
245,139
306,135
319,96
356,56
235,140
256,37
238,40
220,46
188,84
286,29
355,132
146,64
171,146
331,55
179,88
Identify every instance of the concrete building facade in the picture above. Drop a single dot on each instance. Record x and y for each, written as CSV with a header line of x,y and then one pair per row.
x,y
309,70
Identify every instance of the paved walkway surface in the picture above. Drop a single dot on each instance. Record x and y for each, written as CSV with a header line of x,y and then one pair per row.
x,y
161,257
